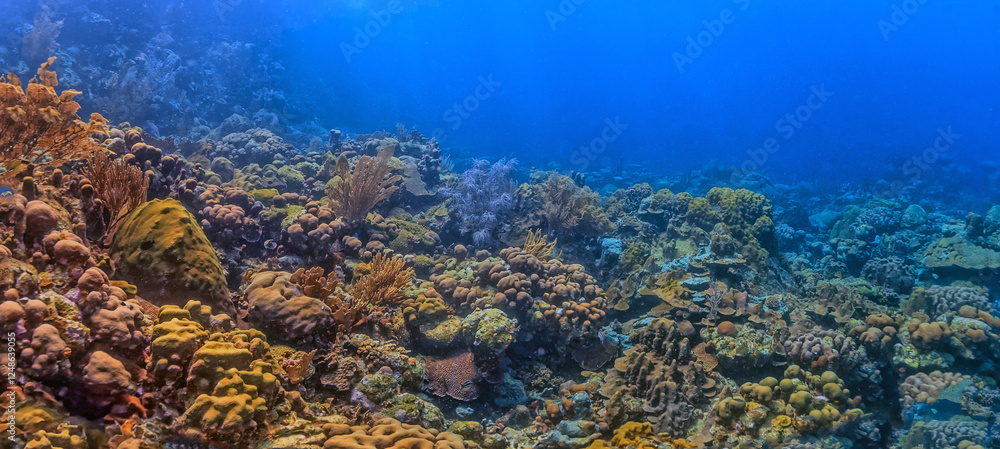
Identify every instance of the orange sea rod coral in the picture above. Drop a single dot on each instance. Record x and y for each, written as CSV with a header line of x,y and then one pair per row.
x,y
42,128
538,245
354,193
383,285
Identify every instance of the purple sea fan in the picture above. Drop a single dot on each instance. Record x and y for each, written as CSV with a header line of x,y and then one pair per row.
x,y
483,197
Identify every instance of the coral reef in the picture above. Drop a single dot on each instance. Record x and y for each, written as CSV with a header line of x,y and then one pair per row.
x,y
356,291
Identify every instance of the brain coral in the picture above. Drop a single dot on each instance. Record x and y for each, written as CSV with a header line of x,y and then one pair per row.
x,y
162,250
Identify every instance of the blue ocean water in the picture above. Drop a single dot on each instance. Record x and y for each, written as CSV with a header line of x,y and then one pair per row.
x,y
689,81
686,82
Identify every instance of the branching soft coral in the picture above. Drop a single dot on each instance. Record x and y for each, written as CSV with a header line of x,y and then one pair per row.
x,y
538,245
40,42
121,187
356,192
384,282
570,209
41,128
483,198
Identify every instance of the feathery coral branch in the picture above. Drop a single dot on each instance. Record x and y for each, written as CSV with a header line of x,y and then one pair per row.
x,y
356,192
538,245
383,285
121,187
42,128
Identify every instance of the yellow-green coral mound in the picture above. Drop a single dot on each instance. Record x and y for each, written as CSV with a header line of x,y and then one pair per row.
x,y
163,251
389,433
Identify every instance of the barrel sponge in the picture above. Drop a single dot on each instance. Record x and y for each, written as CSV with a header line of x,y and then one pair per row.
x,y
388,433
161,249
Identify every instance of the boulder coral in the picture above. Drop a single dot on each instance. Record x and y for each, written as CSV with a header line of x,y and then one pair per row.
x,y
161,249
661,371
389,433
279,306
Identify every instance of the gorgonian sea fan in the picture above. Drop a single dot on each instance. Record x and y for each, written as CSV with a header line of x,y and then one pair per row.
x,y
483,197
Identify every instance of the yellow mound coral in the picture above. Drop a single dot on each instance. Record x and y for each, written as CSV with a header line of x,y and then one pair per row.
x,y
636,435
213,360
174,342
161,249
234,408
782,421
68,437
389,434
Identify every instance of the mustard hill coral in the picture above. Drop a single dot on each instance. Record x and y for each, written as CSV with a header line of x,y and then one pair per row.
x,y
160,248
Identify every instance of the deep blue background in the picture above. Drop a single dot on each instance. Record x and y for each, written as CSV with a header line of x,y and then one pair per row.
x,y
614,59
